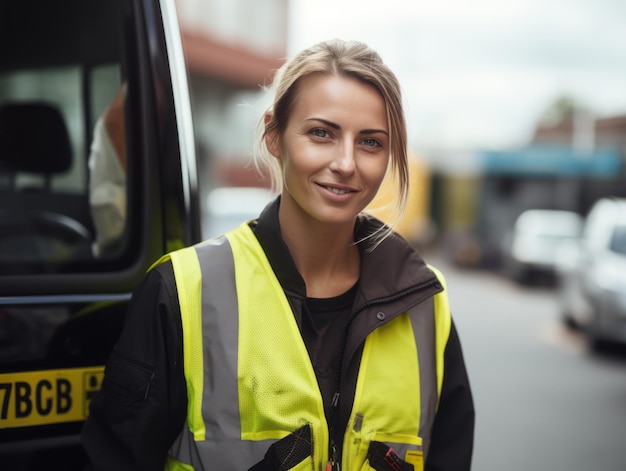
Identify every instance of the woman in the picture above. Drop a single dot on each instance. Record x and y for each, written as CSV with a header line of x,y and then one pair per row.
x,y
311,338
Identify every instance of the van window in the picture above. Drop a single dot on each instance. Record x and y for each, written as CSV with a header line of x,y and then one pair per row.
x,y
62,158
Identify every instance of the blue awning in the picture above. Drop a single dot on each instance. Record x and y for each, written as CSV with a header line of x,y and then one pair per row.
x,y
549,160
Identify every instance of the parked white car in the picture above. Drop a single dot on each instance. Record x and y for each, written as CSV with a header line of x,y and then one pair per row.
x,y
592,275
530,250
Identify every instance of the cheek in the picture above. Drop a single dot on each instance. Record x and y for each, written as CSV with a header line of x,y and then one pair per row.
x,y
292,169
302,160
376,171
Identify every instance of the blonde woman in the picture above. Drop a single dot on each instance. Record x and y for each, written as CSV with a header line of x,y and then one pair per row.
x,y
313,337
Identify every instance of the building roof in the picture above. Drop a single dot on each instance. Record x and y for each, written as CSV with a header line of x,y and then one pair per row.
x,y
209,57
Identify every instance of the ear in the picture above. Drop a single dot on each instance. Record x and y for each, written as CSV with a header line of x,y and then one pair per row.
x,y
272,141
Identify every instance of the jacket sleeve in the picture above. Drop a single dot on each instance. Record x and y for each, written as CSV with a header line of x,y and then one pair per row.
x,y
452,438
141,407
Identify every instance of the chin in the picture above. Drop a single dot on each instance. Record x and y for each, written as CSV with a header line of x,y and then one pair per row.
x,y
336,219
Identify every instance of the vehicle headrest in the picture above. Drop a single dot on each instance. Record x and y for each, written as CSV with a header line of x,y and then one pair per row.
x,y
34,138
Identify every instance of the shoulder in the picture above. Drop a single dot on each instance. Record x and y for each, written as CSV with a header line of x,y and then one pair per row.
x,y
158,287
160,275
391,246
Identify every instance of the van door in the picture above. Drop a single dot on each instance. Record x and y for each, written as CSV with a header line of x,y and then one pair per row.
x,y
97,181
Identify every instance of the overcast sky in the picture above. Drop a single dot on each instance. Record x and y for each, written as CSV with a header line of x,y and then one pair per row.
x,y
478,74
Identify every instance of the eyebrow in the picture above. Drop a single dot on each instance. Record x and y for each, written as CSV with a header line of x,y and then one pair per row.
x,y
330,124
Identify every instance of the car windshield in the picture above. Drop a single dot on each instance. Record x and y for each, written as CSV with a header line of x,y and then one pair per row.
x,y
618,240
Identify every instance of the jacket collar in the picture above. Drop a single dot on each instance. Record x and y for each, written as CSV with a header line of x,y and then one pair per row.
x,y
390,269
267,231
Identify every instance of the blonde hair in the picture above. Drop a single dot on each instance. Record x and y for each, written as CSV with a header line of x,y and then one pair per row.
x,y
351,59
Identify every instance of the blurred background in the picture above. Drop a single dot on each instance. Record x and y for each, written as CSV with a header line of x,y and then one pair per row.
x,y
517,127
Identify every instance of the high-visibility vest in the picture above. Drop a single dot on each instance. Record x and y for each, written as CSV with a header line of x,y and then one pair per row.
x,y
250,381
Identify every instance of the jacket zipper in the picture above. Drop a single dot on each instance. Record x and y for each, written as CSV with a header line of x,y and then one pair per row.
x,y
333,463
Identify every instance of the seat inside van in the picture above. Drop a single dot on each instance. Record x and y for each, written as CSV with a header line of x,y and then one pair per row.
x,y
58,71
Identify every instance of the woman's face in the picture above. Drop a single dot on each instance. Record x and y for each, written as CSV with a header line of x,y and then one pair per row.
x,y
334,150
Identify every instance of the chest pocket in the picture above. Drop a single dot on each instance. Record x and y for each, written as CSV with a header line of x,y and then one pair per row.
x,y
381,457
292,453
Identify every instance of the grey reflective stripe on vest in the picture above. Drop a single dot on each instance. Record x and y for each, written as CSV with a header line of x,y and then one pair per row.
x,y
223,448
423,321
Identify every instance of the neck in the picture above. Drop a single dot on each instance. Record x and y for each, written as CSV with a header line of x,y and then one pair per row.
x,y
325,255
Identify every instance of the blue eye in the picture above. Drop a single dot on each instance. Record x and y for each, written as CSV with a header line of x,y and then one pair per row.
x,y
370,142
320,133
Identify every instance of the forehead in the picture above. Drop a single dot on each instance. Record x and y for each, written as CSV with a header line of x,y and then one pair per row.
x,y
338,95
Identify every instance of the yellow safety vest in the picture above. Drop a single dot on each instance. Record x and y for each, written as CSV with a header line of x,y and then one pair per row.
x,y
250,381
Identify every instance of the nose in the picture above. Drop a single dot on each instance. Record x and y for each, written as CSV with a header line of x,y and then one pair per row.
x,y
344,162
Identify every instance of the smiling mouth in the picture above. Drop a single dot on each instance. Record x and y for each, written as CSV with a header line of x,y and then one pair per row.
x,y
337,191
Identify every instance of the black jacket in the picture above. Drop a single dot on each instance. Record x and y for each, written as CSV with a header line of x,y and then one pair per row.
x,y
143,403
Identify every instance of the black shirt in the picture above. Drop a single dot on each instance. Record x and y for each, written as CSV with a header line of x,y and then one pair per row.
x,y
324,324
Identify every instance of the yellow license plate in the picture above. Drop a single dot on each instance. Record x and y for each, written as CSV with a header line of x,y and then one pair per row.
x,y
48,396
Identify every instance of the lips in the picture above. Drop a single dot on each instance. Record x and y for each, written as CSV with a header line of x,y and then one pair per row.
x,y
338,190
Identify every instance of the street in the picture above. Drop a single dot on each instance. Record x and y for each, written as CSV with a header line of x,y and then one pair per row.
x,y
543,400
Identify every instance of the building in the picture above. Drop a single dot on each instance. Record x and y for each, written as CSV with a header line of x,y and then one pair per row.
x,y
232,48
569,164
584,132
